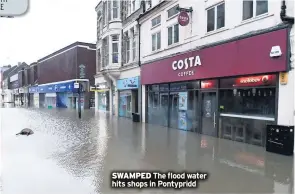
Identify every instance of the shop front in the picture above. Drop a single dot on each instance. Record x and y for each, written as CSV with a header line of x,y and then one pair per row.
x,y
128,96
232,95
34,96
58,94
23,93
102,95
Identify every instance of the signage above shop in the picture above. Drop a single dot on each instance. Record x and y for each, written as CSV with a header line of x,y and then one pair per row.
x,y
54,88
249,81
188,63
102,87
225,60
208,84
128,83
183,18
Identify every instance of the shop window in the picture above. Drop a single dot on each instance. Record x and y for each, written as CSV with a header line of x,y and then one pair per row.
x,y
173,34
172,11
249,131
156,41
115,47
215,17
156,21
252,101
252,8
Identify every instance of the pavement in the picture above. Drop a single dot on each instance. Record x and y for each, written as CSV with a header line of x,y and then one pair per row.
x,y
68,155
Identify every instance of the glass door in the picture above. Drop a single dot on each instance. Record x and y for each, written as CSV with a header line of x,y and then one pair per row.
x,y
164,108
173,106
209,113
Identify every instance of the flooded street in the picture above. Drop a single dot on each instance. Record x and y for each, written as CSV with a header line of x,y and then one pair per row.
x,y
68,155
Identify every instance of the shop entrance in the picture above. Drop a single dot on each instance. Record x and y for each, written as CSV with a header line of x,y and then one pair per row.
x,y
209,113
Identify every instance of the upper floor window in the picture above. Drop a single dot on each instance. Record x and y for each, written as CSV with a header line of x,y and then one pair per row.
x,y
156,21
215,17
173,34
173,11
156,41
133,44
115,9
129,7
133,5
127,47
104,13
115,48
252,8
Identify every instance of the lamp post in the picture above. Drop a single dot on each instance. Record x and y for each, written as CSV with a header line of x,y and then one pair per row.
x,y
80,90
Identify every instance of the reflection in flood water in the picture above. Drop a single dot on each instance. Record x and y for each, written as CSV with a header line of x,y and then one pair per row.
x,y
68,155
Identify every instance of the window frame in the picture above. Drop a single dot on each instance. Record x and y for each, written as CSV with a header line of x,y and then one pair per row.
x,y
156,19
117,8
127,47
175,6
133,5
115,42
254,10
156,46
133,45
173,34
214,7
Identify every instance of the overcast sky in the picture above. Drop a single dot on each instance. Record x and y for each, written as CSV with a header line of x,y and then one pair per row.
x,y
49,25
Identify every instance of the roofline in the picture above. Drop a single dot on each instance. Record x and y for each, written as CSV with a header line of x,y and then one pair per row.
x,y
69,47
98,5
151,10
60,82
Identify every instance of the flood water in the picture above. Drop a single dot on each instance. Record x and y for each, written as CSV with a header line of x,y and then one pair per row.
x,y
68,155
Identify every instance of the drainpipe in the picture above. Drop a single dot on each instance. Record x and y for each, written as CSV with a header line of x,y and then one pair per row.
x,y
139,63
284,17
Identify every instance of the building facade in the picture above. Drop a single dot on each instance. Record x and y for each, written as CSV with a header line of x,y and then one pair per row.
x,y
205,71
117,80
11,84
52,78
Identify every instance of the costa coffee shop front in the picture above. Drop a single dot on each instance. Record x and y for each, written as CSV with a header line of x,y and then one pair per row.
x,y
231,90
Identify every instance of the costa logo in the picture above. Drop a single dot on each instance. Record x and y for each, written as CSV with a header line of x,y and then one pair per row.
x,y
186,64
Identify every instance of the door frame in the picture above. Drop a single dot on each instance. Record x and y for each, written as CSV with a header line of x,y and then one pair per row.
x,y
201,92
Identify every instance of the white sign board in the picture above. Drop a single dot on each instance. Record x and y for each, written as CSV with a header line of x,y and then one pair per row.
x,y
275,51
76,85
13,7
14,77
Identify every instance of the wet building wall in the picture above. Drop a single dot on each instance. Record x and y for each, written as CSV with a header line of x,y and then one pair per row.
x,y
67,64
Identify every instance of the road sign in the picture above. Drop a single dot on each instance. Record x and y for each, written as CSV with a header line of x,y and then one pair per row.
x,y
13,7
76,85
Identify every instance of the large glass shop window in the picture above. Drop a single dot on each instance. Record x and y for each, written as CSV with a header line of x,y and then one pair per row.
x,y
103,100
247,105
158,104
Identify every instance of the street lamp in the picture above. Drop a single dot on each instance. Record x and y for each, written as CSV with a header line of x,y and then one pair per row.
x,y
80,90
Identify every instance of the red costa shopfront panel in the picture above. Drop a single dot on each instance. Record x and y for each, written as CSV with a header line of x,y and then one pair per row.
x,y
242,57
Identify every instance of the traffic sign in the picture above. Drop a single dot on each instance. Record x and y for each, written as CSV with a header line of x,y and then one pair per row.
x,y
76,85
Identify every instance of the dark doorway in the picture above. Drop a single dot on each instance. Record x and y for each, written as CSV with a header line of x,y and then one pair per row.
x,y
209,113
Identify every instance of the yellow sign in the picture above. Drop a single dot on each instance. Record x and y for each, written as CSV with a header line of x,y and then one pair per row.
x,y
283,78
94,89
